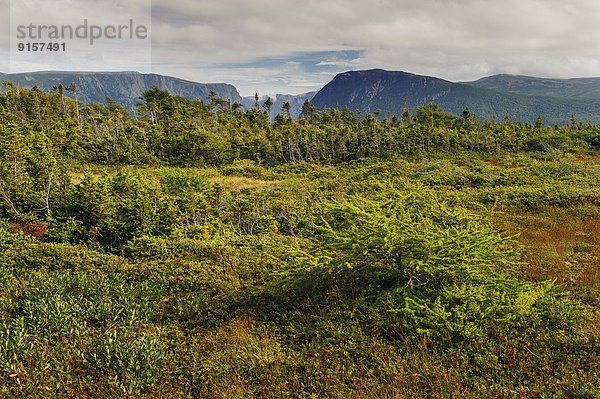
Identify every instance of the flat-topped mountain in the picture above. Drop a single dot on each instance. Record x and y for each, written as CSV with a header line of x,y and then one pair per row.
x,y
123,88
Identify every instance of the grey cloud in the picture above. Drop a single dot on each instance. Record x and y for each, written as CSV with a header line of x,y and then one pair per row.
x,y
452,39
456,39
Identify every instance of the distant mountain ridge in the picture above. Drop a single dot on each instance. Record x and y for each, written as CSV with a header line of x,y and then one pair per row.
x,y
296,102
123,88
389,92
520,98
582,88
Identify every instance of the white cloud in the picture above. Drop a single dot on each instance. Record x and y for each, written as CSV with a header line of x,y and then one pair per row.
x,y
453,39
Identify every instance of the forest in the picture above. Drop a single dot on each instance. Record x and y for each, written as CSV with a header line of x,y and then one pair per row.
x,y
191,249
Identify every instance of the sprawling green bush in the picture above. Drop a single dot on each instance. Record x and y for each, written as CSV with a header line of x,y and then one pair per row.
x,y
451,282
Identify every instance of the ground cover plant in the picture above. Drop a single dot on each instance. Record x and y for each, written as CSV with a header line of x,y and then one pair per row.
x,y
198,251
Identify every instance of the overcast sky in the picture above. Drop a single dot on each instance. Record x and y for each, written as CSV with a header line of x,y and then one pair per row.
x,y
298,46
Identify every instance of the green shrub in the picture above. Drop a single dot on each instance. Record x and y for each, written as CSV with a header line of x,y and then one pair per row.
x,y
449,261
114,209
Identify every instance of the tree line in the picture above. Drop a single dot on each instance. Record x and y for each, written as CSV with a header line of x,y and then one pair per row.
x,y
172,130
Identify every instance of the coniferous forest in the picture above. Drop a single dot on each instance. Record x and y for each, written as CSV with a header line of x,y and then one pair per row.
x,y
199,250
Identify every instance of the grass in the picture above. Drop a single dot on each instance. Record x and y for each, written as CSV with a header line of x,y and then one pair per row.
x,y
236,183
559,244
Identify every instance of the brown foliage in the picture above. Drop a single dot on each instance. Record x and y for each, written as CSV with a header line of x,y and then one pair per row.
x,y
35,229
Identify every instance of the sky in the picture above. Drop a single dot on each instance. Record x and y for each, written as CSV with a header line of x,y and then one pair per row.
x,y
291,47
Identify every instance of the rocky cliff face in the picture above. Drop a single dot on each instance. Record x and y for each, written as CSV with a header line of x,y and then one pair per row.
x,y
123,88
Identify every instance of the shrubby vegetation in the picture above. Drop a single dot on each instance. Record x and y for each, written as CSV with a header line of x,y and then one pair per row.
x,y
172,130
195,250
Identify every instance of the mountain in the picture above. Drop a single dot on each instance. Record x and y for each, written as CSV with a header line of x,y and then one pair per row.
x,y
124,88
387,91
582,88
520,98
296,102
